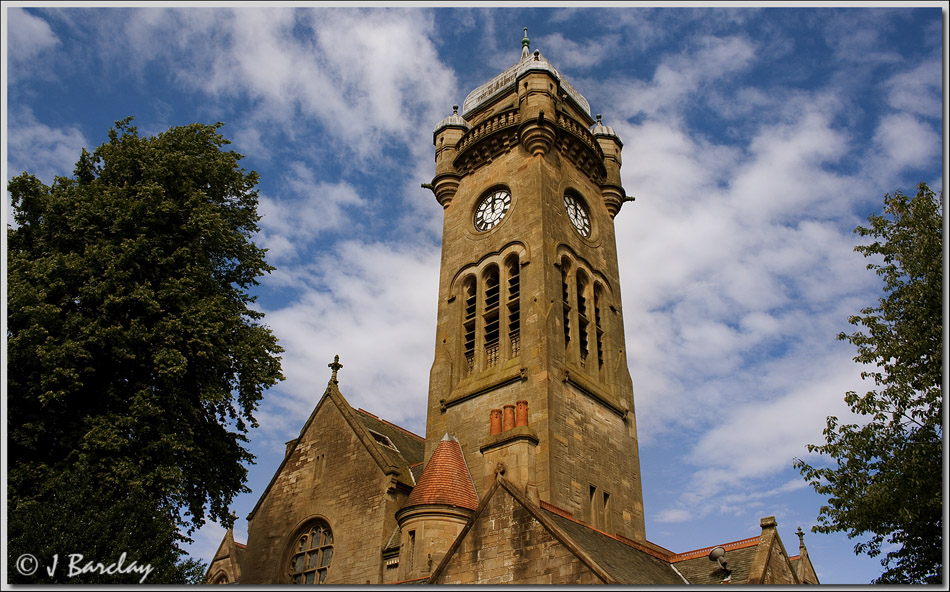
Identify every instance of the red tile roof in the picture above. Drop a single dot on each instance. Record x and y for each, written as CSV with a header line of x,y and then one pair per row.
x,y
445,479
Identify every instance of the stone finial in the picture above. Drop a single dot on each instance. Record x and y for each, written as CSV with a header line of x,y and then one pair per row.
x,y
335,366
801,537
525,44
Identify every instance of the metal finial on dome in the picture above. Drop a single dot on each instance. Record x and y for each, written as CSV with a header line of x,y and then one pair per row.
x,y
335,366
600,129
525,44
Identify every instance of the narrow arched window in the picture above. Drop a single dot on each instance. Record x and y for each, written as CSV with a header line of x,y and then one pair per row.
x,y
513,269
312,553
583,322
469,296
491,315
599,323
565,300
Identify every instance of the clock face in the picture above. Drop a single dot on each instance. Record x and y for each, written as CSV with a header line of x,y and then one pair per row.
x,y
578,214
492,209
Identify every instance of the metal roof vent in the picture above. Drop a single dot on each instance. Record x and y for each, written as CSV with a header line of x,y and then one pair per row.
x,y
717,555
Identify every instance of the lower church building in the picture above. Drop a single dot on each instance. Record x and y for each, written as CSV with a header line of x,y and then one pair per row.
x,y
529,472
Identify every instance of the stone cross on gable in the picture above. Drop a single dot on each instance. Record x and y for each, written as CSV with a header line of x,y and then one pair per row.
x,y
335,366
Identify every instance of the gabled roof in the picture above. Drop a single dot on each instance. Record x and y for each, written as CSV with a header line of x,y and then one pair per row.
x,y
392,460
698,569
625,563
410,446
445,479
611,559
229,558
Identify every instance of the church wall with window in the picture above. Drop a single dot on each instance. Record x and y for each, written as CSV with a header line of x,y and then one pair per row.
x,y
327,514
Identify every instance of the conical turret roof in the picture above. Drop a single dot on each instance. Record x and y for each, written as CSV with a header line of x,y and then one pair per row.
x,y
446,479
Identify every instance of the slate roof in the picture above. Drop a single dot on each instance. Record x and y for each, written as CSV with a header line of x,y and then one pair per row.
x,y
698,569
627,564
408,445
445,479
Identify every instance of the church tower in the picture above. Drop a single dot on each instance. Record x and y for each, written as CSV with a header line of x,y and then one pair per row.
x,y
530,371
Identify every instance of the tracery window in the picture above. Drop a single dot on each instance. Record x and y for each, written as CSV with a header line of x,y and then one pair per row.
x,y
312,553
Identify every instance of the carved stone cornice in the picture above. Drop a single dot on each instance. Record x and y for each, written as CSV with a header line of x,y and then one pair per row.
x,y
486,141
500,133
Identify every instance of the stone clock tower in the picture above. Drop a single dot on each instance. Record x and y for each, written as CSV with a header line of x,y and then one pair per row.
x,y
530,372
529,472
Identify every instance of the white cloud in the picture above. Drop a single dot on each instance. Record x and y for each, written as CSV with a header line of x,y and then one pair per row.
x,y
679,79
41,150
570,54
28,37
373,299
291,223
901,141
755,442
916,91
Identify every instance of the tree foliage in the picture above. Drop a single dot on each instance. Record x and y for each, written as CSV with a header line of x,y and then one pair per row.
x,y
887,479
135,358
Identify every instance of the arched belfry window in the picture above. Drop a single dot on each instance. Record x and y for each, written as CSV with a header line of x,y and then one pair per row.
x,y
491,315
513,274
311,554
599,323
489,296
469,300
585,302
583,320
565,299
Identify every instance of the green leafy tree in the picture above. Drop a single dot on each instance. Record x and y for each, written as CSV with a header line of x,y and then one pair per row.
x,y
886,481
135,358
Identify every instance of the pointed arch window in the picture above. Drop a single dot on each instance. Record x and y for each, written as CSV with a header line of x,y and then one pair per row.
x,y
312,553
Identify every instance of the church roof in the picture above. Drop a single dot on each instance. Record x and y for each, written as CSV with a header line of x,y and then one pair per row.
x,y
626,563
613,561
445,479
698,569
395,440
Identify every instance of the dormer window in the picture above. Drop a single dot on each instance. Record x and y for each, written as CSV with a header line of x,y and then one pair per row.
x,y
381,439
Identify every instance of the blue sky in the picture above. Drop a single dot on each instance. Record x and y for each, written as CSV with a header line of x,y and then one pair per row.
x,y
755,140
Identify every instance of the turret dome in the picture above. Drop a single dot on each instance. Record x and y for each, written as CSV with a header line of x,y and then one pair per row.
x,y
453,120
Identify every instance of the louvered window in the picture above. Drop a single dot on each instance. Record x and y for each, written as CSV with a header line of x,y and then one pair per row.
x,y
491,315
514,304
